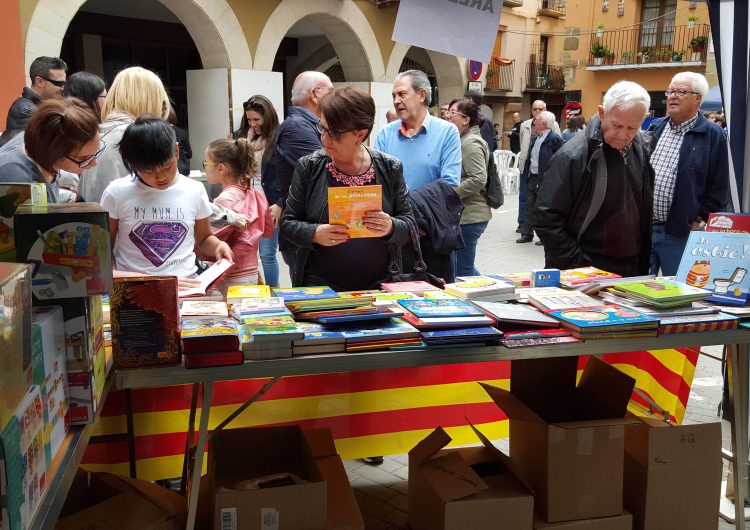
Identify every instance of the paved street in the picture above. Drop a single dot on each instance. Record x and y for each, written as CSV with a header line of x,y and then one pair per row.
x,y
381,491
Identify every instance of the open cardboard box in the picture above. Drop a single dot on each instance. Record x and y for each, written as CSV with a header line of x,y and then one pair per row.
x,y
567,440
470,487
672,475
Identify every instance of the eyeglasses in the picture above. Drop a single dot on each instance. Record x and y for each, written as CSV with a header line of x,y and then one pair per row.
x,y
680,92
59,84
333,135
208,163
452,112
87,161
537,109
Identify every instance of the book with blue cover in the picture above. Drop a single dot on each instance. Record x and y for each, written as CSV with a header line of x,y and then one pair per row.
x,y
596,319
425,308
293,294
393,329
461,335
719,262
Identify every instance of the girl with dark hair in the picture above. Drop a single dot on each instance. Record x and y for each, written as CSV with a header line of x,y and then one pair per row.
x,y
259,125
231,164
89,88
464,114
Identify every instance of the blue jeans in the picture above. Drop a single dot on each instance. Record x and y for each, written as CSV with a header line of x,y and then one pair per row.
x,y
463,259
522,199
268,248
666,251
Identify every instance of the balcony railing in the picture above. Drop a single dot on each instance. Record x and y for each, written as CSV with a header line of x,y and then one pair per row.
x,y
552,8
544,77
500,74
649,47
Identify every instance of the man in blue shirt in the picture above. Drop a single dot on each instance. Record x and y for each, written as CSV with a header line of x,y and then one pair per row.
x,y
429,148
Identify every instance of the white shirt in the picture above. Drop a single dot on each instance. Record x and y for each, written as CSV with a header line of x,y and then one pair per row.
x,y
156,228
534,165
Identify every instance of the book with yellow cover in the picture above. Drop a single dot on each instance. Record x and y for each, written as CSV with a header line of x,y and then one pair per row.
x,y
347,206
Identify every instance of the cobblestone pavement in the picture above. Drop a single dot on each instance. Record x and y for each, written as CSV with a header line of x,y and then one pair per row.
x,y
382,490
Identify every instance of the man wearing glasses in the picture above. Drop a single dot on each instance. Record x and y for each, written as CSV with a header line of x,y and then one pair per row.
x,y
690,160
47,76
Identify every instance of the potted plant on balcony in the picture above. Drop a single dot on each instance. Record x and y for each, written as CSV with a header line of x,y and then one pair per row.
x,y
677,55
609,58
664,55
698,45
626,56
692,20
600,30
599,52
644,55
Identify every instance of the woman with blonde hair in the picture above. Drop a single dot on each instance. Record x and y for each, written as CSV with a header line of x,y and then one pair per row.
x,y
134,91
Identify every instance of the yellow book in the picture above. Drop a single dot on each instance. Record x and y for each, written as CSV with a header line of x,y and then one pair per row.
x,y
347,206
235,293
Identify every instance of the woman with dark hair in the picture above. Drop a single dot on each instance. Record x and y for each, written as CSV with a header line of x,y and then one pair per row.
x,y
63,134
259,124
89,88
575,125
186,152
325,255
464,114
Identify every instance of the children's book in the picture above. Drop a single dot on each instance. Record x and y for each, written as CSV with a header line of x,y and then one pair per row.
x,y
554,298
603,318
395,328
448,322
269,330
728,222
718,262
347,206
536,341
572,278
208,334
378,314
237,293
209,277
479,286
661,293
461,335
203,308
516,314
535,333
417,287
294,294
519,279
258,306
318,334
686,324
439,308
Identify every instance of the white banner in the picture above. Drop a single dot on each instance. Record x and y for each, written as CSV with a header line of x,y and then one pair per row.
x,y
464,28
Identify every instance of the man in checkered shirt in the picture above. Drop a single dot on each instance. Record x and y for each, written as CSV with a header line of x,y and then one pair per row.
x,y
690,160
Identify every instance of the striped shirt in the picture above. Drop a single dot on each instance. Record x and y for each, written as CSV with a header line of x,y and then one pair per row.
x,y
664,160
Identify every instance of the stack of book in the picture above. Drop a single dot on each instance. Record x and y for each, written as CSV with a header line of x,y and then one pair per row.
x,y
523,325
661,293
554,298
318,339
268,337
418,287
209,342
482,288
691,323
606,322
426,313
383,298
376,336
467,336
575,278
519,279
257,307
237,293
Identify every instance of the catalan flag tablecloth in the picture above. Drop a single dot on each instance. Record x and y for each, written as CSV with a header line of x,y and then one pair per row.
x,y
371,412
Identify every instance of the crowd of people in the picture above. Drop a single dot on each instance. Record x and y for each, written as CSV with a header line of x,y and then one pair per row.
x,y
604,193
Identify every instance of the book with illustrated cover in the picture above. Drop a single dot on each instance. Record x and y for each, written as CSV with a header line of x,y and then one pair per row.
x,y
203,308
661,293
382,313
572,278
448,322
394,329
439,294
318,334
461,335
208,334
718,262
696,308
516,314
417,287
209,277
687,324
479,286
381,298
347,206
294,294
258,306
535,333
554,298
519,279
270,329
237,293
424,307
536,341
728,222
603,318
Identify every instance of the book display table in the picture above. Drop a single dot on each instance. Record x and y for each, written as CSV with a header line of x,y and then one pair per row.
x,y
737,341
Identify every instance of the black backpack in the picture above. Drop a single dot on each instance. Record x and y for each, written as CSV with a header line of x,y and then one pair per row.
x,y
493,191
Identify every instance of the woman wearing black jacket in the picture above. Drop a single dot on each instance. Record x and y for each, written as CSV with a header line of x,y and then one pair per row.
x,y
325,255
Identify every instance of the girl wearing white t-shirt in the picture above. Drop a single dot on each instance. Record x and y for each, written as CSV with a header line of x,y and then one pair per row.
x,y
157,216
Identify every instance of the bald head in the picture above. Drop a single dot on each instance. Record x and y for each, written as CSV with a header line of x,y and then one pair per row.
x,y
309,88
391,115
516,117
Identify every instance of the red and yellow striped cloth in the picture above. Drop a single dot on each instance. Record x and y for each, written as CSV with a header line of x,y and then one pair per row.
x,y
370,412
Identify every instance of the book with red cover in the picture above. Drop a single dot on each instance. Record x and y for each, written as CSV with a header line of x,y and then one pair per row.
x,y
417,287
728,222
199,335
214,358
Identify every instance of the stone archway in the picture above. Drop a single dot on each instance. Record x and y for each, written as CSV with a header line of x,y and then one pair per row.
x,y
449,70
211,23
342,22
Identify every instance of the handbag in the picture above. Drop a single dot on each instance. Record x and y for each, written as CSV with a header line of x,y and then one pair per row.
x,y
493,191
420,267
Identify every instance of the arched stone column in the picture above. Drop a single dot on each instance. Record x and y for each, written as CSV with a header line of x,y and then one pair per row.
x,y
343,24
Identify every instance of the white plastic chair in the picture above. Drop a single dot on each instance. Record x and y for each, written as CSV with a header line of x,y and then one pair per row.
x,y
507,169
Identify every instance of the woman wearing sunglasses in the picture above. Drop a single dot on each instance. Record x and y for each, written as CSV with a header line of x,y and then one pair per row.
x,y
63,134
325,254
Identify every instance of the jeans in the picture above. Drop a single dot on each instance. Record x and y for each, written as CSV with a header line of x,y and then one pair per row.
x,y
268,248
522,199
532,191
666,251
463,259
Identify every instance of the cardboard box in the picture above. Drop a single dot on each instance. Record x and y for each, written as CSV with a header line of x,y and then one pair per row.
x,y
50,374
240,460
83,321
471,487
69,247
566,440
672,475
100,501
617,522
85,388
15,339
12,195
22,463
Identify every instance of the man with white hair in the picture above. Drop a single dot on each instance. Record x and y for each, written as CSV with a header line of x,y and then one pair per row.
x,y
546,142
690,160
296,137
595,201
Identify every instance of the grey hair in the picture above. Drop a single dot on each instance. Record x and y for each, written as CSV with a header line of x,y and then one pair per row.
x,y
547,117
419,82
626,94
304,83
697,81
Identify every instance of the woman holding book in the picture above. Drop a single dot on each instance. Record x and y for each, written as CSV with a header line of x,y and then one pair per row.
x,y
326,254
